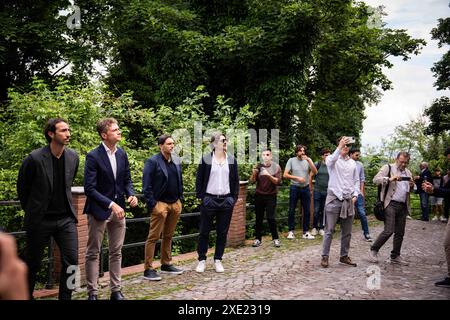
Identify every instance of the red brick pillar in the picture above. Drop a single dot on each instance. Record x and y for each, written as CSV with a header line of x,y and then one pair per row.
x,y
236,233
78,203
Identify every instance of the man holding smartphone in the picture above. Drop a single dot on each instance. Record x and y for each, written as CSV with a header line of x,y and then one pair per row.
x,y
396,204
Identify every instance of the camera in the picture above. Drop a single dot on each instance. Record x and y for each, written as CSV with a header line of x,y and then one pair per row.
x,y
351,140
405,179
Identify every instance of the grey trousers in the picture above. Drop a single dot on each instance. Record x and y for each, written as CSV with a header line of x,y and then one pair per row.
x,y
332,212
116,236
394,223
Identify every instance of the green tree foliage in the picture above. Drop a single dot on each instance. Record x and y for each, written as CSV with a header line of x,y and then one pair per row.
x,y
35,41
297,63
346,74
439,115
441,68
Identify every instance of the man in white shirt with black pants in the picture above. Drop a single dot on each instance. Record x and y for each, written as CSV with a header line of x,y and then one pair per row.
x,y
343,191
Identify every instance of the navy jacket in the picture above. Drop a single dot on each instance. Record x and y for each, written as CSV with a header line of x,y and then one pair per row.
x,y
424,176
35,183
155,179
99,184
204,170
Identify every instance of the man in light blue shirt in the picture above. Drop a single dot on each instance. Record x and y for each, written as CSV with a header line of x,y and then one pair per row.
x,y
355,154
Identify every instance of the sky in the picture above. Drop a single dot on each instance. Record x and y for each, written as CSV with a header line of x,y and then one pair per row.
x,y
412,80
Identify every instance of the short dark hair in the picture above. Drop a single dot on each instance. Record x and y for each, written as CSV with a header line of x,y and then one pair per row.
x,y
266,149
299,147
324,150
162,139
353,150
104,124
50,126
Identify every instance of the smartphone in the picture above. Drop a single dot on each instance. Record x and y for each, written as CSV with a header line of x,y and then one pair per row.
x,y
405,179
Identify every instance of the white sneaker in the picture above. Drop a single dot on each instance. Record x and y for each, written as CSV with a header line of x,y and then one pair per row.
x,y
218,266
408,217
314,232
308,236
435,218
291,235
442,218
276,243
257,243
373,256
321,232
201,266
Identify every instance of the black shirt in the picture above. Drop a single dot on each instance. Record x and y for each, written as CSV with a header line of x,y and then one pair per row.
x,y
58,205
171,194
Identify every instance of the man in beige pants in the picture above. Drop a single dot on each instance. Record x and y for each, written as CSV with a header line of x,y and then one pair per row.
x,y
442,192
162,185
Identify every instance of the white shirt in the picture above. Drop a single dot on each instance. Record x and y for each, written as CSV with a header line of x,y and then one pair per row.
x,y
344,176
401,188
219,178
112,159
113,162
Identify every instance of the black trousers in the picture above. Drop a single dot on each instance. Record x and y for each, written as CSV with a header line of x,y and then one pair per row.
x,y
220,210
267,204
64,232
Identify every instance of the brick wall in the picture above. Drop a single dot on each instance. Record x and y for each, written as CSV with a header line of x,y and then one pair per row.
x,y
236,233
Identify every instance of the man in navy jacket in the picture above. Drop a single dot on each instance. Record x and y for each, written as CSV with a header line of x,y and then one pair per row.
x,y
107,183
162,185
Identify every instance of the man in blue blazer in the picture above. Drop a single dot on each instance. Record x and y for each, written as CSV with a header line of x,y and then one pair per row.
x,y
217,185
107,182
162,185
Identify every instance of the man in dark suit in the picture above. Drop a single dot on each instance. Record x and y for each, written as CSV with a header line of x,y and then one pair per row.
x,y
44,189
107,181
162,185
442,192
425,175
217,185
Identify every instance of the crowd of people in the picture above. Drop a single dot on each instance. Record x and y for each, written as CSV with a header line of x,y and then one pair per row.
x,y
336,181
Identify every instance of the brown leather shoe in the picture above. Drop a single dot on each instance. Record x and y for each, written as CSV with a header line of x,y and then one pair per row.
x,y
346,260
324,262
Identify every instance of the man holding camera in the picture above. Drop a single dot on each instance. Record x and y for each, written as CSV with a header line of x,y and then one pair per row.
x,y
396,206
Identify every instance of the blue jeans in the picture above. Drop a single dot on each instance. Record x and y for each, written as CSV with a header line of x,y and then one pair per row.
x,y
319,206
296,193
362,214
424,205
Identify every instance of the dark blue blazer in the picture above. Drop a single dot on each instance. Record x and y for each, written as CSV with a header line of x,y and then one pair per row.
x,y
155,179
99,184
424,176
204,170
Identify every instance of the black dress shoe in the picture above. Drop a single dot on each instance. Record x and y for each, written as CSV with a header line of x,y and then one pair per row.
x,y
92,297
117,296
